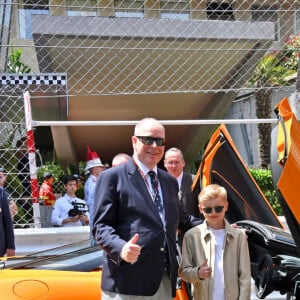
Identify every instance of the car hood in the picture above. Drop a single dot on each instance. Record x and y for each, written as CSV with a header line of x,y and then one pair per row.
x,y
222,164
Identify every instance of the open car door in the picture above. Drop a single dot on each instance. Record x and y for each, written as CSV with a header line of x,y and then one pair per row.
x,y
222,164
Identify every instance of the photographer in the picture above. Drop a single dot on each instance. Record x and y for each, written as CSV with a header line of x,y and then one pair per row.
x,y
70,210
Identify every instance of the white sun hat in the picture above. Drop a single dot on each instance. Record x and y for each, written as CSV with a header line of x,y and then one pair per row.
x,y
92,160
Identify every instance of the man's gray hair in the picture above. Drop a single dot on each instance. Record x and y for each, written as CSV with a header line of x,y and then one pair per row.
x,y
173,149
119,159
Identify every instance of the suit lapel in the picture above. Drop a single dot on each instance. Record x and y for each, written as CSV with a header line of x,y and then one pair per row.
x,y
138,182
183,182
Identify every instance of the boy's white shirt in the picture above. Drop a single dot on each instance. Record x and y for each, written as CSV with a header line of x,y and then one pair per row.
x,y
218,284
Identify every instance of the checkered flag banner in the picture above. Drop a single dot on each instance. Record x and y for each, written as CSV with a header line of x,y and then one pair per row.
x,y
31,79
59,50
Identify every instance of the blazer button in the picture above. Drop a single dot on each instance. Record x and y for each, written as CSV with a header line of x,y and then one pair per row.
x,y
162,249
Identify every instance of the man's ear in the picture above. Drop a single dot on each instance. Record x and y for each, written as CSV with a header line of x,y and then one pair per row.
x,y
133,140
165,164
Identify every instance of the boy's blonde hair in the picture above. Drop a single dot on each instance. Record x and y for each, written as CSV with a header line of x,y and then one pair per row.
x,y
212,191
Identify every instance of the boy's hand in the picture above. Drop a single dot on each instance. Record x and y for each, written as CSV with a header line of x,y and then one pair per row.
x,y
204,271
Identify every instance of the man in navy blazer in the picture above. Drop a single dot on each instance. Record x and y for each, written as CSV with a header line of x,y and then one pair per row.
x,y
139,245
7,238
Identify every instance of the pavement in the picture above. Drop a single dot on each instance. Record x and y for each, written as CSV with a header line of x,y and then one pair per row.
x,y
273,296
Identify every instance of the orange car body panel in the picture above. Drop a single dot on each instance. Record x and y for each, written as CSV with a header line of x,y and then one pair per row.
x,y
49,285
289,145
56,285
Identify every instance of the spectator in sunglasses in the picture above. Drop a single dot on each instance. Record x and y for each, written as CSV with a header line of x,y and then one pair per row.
x,y
215,255
137,214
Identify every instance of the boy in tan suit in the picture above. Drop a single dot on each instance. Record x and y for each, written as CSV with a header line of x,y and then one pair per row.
x,y
215,256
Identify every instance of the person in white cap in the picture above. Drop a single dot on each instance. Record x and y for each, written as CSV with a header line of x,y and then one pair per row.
x,y
94,166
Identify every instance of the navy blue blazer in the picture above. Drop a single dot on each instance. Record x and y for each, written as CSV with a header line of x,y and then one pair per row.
x,y
123,207
7,238
188,197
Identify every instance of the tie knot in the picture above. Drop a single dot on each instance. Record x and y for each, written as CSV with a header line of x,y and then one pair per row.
x,y
152,175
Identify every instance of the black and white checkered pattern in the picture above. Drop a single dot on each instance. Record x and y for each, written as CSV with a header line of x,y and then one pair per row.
x,y
35,79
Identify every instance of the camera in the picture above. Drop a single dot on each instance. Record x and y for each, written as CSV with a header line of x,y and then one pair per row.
x,y
78,209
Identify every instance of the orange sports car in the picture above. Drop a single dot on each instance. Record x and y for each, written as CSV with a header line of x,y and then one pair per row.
x,y
274,252
64,273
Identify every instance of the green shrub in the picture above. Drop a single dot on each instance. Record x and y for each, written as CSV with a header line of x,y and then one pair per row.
x,y
80,192
52,167
263,178
58,172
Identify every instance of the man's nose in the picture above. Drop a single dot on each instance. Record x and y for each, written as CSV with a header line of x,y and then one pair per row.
x,y
154,144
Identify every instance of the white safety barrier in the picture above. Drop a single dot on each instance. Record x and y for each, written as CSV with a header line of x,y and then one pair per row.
x,y
32,240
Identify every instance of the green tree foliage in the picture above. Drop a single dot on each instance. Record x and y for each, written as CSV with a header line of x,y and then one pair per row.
x,y
272,71
51,167
279,67
263,178
58,172
290,52
15,64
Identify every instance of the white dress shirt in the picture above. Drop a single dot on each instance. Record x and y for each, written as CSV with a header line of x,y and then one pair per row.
x,y
61,210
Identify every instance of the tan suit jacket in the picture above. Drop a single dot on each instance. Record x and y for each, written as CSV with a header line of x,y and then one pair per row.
x,y
198,244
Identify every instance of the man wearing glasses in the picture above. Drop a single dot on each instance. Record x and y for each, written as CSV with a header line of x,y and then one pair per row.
x,y
174,163
137,214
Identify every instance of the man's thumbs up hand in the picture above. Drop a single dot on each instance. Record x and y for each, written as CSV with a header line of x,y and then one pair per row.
x,y
131,251
134,239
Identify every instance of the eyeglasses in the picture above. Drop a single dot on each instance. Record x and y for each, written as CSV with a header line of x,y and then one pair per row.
x,y
175,163
217,209
149,140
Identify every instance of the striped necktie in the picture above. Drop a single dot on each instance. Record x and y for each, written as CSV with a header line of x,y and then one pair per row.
x,y
156,197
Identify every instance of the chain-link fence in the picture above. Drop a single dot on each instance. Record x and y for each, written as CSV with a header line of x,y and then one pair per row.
x,y
75,48
14,158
